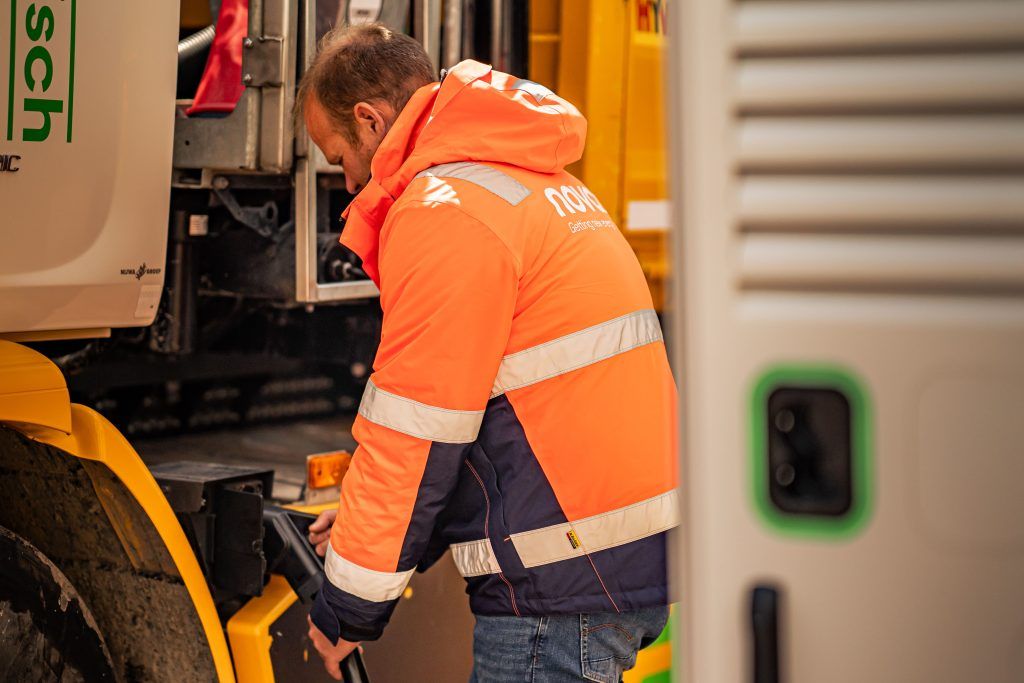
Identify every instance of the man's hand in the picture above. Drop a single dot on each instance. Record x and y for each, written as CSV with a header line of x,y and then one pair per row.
x,y
331,654
320,531
320,536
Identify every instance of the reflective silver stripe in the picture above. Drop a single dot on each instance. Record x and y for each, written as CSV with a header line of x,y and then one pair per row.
x,y
487,177
607,530
418,419
556,543
475,558
576,350
539,92
362,582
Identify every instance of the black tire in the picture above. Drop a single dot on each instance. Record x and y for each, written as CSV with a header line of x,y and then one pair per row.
x,y
47,633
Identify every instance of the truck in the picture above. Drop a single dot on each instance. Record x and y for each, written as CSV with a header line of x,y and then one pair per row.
x,y
171,265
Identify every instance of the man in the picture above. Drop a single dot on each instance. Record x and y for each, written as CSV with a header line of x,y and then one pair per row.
x,y
521,406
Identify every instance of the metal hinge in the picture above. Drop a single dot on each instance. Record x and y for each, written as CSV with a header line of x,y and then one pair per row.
x,y
263,61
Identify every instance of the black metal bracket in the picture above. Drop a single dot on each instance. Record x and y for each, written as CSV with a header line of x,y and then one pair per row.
x,y
260,219
220,508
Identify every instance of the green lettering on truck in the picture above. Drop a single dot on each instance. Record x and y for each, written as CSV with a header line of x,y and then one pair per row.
x,y
34,31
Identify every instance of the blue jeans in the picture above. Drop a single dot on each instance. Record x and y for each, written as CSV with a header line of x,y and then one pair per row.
x,y
566,647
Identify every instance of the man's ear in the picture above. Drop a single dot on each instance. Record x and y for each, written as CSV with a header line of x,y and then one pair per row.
x,y
370,118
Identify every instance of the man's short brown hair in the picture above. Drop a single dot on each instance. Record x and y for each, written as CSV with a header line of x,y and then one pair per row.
x,y
364,63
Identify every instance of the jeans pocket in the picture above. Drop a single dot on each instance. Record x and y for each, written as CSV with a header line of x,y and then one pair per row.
x,y
608,645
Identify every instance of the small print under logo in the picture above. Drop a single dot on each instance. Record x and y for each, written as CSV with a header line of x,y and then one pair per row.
x,y
574,540
141,271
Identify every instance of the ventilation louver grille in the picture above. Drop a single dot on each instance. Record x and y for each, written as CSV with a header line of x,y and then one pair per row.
x,y
880,146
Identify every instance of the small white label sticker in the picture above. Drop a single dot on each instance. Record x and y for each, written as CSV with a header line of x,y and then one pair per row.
x,y
149,299
198,225
363,11
649,215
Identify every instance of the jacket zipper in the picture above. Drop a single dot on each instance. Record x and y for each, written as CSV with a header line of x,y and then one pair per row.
x,y
487,534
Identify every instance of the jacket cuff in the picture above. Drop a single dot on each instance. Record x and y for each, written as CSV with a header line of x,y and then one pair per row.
x,y
339,614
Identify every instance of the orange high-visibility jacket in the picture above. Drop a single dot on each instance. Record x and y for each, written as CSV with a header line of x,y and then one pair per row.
x,y
521,408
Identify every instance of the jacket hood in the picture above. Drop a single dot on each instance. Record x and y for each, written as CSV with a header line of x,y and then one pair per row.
x,y
473,114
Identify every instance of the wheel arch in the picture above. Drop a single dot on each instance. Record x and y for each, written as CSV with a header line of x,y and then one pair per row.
x,y
79,492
